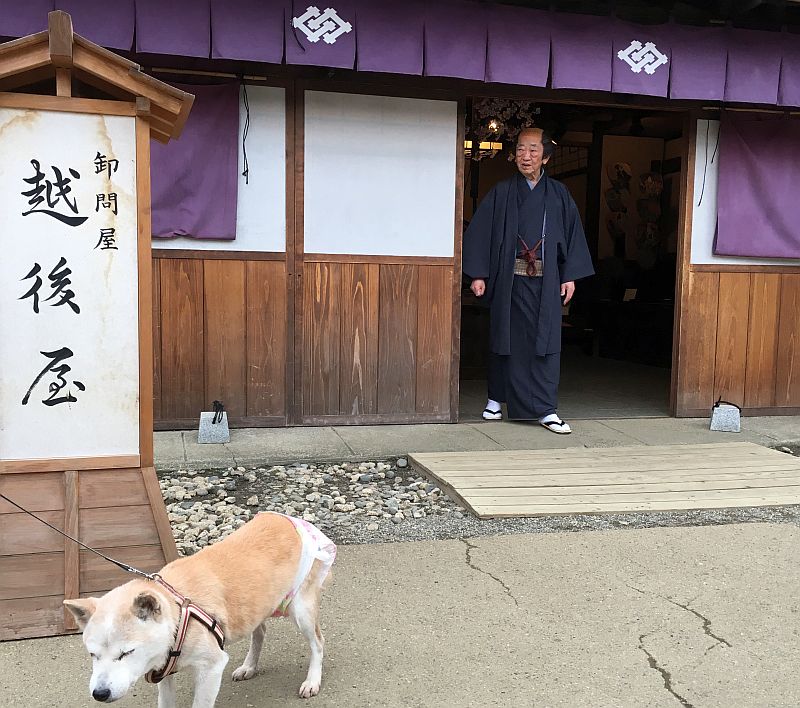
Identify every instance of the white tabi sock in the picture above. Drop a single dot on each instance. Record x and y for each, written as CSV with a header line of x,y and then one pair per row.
x,y
551,418
493,406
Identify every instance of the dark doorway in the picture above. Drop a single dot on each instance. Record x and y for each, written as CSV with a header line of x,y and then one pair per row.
x,y
623,168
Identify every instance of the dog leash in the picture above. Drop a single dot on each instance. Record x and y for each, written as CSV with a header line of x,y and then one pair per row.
x,y
188,608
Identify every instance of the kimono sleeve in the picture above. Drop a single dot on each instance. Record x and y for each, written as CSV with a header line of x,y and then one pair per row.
x,y
478,240
574,260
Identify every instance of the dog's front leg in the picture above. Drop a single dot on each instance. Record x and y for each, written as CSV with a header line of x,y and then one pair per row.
x,y
166,693
207,680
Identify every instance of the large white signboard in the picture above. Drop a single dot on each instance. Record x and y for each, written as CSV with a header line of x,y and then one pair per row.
x,y
69,341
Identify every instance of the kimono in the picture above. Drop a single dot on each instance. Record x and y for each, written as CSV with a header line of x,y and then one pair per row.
x,y
525,312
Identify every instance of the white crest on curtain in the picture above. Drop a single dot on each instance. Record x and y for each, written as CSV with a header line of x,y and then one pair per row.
x,y
316,25
638,56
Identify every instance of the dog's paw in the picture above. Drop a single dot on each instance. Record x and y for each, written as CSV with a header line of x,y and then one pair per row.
x,y
243,673
308,689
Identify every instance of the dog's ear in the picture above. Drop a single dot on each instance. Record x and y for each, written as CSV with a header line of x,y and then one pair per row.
x,y
146,606
82,610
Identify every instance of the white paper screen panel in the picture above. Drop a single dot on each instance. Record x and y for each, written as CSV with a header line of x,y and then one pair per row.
x,y
379,175
261,200
704,207
69,373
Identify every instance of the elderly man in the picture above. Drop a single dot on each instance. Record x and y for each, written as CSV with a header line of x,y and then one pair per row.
x,y
524,250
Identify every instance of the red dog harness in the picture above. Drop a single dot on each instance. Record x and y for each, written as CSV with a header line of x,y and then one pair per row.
x,y
188,611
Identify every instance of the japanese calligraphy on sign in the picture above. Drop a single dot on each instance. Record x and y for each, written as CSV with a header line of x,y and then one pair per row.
x,y
69,341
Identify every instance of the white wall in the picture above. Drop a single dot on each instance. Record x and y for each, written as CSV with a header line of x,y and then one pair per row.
x,y
379,175
261,204
704,207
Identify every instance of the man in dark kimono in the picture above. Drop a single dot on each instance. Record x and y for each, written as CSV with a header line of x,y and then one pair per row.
x,y
524,250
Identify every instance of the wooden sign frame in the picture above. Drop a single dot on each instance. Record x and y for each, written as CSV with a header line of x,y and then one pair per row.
x,y
111,502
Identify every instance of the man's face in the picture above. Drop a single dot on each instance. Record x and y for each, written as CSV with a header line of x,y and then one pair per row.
x,y
530,153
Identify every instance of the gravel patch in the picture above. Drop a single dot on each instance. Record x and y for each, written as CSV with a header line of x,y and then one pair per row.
x,y
378,502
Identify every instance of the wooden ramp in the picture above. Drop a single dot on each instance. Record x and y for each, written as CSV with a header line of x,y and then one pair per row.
x,y
618,479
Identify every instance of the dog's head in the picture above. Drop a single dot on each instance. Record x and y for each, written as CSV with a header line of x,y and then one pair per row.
x,y
127,632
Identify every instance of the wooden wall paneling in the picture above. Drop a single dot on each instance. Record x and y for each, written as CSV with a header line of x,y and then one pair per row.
x,y
33,617
321,346
434,335
732,327
695,382
182,339
787,370
156,339
21,534
225,359
118,526
43,491
32,576
762,341
112,488
358,377
266,338
397,347
97,574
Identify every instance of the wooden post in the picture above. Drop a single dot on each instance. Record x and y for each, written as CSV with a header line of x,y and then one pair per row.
x,y
60,50
72,572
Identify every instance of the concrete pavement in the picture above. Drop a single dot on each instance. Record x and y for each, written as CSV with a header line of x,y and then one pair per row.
x,y
694,617
258,446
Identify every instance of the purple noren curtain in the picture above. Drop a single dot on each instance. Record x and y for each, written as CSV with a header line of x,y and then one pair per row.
x,y
580,52
177,27
248,30
91,19
195,178
404,23
758,211
20,19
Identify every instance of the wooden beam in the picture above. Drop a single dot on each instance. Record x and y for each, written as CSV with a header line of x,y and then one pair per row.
x,y
145,265
64,82
67,104
103,462
163,528
72,572
60,38
458,233
682,270
27,58
143,107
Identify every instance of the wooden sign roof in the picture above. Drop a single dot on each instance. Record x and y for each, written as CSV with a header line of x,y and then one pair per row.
x,y
59,52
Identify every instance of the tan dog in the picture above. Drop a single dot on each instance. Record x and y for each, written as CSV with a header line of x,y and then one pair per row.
x,y
240,581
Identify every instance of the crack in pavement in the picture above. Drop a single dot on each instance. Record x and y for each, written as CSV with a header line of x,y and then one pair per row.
x,y
471,547
665,675
706,622
346,444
